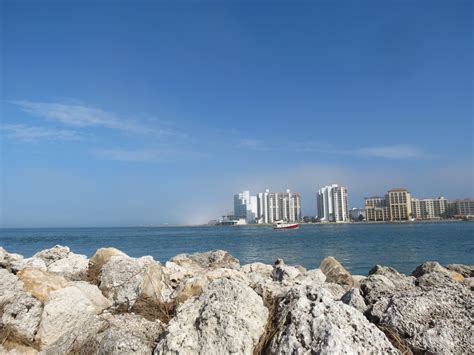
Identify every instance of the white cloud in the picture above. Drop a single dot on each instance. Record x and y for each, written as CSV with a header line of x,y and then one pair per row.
x,y
391,152
28,133
148,155
253,144
75,115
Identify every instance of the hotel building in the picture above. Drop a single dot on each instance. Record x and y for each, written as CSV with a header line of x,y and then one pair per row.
x,y
399,204
429,208
332,204
245,206
462,208
376,209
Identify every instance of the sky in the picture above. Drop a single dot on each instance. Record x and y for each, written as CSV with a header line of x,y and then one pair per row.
x,y
137,113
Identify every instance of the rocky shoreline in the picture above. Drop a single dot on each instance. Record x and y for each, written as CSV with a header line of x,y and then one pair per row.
x,y
59,302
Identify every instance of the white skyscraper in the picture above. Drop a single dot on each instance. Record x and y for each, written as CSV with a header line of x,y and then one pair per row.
x,y
332,204
245,206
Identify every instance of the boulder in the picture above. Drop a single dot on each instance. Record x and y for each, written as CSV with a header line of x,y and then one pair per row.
x,y
40,283
35,263
354,298
311,321
431,274
335,272
262,269
312,277
69,309
464,270
383,281
433,321
73,267
228,317
9,285
358,280
207,260
53,254
124,334
99,259
124,280
190,287
10,261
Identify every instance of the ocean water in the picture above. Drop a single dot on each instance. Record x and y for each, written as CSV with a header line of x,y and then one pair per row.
x,y
357,246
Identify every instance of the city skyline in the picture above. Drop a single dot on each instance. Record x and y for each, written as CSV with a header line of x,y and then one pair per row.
x,y
149,113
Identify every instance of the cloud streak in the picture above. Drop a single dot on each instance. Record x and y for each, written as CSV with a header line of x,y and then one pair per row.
x,y
82,116
148,155
27,133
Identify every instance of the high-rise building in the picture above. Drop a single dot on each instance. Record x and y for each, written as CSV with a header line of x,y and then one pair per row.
x,y
376,209
462,208
268,207
282,206
399,204
429,208
245,206
332,204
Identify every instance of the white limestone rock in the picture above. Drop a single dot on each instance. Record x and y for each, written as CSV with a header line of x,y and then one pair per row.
x,y
354,298
68,309
207,260
228,317
310,321
10,261
124,280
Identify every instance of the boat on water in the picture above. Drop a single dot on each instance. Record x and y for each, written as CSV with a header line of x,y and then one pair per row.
x,y
285,225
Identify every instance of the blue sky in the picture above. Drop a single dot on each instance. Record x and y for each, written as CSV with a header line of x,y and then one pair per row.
x,y
143,113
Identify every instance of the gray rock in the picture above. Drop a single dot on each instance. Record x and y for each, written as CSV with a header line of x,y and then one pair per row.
x,y
310,321
283,272
435,321
21,316
464,270
74,267
335,272
11,262
354,298
207,260
431,274
383,281
53,254
228,317
124,280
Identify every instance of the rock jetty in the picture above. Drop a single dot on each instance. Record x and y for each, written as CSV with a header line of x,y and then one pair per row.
x,y
59,302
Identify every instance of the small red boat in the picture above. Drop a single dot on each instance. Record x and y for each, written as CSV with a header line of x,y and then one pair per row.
x,y
284,225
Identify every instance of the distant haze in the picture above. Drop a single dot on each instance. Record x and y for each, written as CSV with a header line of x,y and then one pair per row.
x,y
145,113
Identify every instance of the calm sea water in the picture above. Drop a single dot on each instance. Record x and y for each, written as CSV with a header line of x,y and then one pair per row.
x,y
357,246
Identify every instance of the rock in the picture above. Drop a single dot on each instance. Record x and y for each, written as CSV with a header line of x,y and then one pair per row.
x,y
11,348
464,270
262,269
40,283
354,298
312,277
335,272
9,285
228,317
231,274
310,321
99,259
434,321
337,291
52,255
469,283
73,267
383,281
358,280
69,309
432,274
11,262
207,260
20,313
124,280
125,334
35,263
191,287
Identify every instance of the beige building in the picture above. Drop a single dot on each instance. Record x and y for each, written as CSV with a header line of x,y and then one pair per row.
x,y
462,208
429,208
376,209
399,204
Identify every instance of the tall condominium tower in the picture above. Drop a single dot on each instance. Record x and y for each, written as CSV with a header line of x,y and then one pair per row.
x,y
245,206
332,204
275,206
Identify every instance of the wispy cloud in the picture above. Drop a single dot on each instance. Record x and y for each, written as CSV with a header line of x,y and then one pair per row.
x,y
28,133
148,155
253,144
398,151
81,116
391,152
